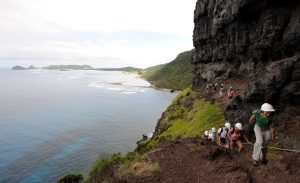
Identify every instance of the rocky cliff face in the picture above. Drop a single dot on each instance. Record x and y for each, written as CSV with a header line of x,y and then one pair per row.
x,y
254,42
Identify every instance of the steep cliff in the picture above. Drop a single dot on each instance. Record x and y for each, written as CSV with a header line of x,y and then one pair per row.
x,y
254,46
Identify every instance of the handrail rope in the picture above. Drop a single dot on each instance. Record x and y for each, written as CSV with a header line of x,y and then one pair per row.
x,y
277,148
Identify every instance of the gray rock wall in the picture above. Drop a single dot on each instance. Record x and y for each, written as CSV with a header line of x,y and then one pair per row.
x,y
257,43
254,40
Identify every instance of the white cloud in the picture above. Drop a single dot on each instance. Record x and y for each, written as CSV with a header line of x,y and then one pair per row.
x,y
101,33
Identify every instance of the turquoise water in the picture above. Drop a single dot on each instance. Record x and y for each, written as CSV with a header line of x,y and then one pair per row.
x,y
58,122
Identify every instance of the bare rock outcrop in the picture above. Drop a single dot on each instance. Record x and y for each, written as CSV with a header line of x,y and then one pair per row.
x,y
255,41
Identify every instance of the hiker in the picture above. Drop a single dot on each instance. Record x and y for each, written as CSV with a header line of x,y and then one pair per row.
x,y
221,92
264,131
234,136
215,87
212,134
205,136
230,94
222,135
208,86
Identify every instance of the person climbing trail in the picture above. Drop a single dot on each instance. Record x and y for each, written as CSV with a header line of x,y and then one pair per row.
x,y
208,86
205,136
221,91
264,131
222,135
234,135
212,135
215,87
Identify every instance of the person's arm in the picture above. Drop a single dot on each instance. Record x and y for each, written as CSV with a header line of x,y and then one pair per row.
x,y
252,119
229,133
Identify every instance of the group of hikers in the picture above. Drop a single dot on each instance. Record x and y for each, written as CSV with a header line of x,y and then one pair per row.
x,y
214,87
225,136
263,121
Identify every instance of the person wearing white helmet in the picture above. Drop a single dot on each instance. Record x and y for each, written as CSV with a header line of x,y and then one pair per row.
x,y
205,136
213,129
212,135
234,135
222,135
264,131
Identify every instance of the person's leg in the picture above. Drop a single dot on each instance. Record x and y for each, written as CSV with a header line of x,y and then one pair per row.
x,y
266,139
224,142
240,145
258,143
231,145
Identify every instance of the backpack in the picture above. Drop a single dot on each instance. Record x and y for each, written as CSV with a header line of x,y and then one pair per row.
x,y
270,118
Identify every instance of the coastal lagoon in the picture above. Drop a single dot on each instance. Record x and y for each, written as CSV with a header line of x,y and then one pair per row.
x,y
58,122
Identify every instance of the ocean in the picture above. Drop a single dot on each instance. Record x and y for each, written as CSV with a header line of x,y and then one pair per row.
x,y
57,122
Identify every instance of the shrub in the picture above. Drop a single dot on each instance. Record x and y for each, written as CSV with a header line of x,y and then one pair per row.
x,y
71,178
139,169
129,157
99,170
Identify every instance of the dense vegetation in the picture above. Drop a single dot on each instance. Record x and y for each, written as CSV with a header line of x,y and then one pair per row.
x,y
71,178
188,116
176,75
147,73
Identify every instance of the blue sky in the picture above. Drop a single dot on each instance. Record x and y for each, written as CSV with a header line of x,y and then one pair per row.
x,y
115,33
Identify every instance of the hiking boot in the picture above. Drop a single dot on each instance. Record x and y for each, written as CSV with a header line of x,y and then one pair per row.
x,y
264,161
255,163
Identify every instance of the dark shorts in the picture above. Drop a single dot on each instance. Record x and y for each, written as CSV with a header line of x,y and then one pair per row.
x,y
223,140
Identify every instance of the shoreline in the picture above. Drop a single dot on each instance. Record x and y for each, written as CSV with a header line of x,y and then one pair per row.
x,y
152,84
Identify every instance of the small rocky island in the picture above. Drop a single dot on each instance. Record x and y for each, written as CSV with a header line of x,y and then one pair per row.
x,y
17,67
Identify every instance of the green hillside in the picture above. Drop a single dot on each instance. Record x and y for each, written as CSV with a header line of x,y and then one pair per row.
x,y
176,75
147,73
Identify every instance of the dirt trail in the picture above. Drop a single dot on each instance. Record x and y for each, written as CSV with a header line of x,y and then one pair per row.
x,y
188,161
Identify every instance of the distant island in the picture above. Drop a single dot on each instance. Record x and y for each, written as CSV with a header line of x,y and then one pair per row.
x,y
17,67
78,67
126,69
68,67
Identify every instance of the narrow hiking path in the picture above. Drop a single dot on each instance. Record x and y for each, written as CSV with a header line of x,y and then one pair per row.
x,y
189,161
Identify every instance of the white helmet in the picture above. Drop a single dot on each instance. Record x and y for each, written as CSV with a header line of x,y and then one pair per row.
x,y
227,125
206,133
213,129
267,107
239,126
